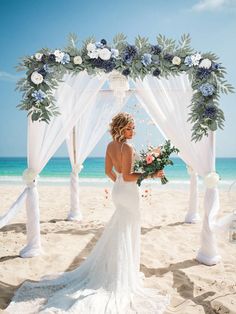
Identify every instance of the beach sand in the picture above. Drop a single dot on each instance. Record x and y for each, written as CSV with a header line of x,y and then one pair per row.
x,y
168,250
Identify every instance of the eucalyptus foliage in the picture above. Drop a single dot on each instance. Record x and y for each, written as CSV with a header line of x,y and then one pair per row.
x,y
45,70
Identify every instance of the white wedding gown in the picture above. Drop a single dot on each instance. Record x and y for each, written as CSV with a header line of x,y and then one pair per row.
x,y
108,281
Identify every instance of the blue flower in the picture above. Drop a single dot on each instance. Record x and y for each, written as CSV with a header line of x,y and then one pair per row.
x,y
215,66
203,73
210,112
126,72
99,45
146,59
47,68
131,50
109,65
127,58
65,59
38,95
207,89
168,57
42,72
156,49
103,42
188,61
52,57
156,72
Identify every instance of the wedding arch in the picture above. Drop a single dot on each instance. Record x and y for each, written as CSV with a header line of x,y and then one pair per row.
x,y
64,95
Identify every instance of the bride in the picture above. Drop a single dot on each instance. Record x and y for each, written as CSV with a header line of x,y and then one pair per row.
x,y
108,281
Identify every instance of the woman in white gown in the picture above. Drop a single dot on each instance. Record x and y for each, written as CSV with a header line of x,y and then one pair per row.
x,y
108,281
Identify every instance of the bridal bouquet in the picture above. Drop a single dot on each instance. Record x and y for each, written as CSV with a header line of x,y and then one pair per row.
x,y
154,160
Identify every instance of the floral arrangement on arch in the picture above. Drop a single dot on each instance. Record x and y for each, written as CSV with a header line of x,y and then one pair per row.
x,y
45,69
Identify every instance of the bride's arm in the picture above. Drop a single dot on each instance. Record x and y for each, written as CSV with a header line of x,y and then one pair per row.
x,y
109,166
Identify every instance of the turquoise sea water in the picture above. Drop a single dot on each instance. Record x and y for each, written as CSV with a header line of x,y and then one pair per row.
x,y
58,170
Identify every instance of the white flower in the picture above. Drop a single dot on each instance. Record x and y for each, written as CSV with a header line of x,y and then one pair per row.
x,y
38,56
36,78
104,54
211,180
205,63
59,55
196,58
93,54
176,60
91,47
77,60
29,175
114,52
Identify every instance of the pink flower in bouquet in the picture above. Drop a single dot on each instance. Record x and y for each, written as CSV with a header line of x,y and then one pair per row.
x,y
149,159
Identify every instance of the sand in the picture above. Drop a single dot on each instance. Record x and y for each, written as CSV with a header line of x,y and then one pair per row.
x,y
168,250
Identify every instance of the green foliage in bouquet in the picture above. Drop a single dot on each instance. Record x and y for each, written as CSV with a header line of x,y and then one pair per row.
x,y
151,161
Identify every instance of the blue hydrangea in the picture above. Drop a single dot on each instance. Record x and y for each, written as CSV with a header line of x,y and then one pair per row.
x,y
188,61
146,59
203,73
39,95
99,44
47,68
65,59
207,89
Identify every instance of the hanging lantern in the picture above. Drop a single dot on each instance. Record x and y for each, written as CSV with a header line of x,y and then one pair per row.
x,y
119,84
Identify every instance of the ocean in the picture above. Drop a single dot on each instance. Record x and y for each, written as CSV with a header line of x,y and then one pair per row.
x,y
57,171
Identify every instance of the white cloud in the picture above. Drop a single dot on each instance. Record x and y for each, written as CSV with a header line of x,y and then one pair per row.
x,y
4,76
213,5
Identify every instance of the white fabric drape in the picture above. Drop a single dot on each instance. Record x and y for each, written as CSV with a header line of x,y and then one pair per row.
x,y
72,98
90,128
192,215
167,101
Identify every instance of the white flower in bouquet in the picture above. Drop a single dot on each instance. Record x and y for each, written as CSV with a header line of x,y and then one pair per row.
x,y
176,60
211,180
59,55
205,63
104,54
91,47
93,54
77,60
38,56
36,78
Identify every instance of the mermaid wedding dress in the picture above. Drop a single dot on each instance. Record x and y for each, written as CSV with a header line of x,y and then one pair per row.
x,y
108,281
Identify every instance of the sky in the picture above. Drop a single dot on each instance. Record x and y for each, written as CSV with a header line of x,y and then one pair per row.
x,y
27,26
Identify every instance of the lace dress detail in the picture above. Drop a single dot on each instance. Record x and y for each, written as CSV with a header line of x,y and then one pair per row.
x,y
108,281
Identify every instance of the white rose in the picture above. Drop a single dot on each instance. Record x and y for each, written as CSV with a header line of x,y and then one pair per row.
x,y
104,54
211,180
38,56
176,60
36,78
93,54
59,55
91,47
205,63
78,60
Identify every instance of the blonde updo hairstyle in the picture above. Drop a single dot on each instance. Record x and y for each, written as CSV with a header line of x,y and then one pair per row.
x,y
118,124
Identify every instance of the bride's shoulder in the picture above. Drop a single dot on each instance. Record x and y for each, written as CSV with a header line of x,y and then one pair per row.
x,y
127,147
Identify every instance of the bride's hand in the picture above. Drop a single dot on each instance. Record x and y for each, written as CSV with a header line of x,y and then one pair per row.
x,y
159,174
